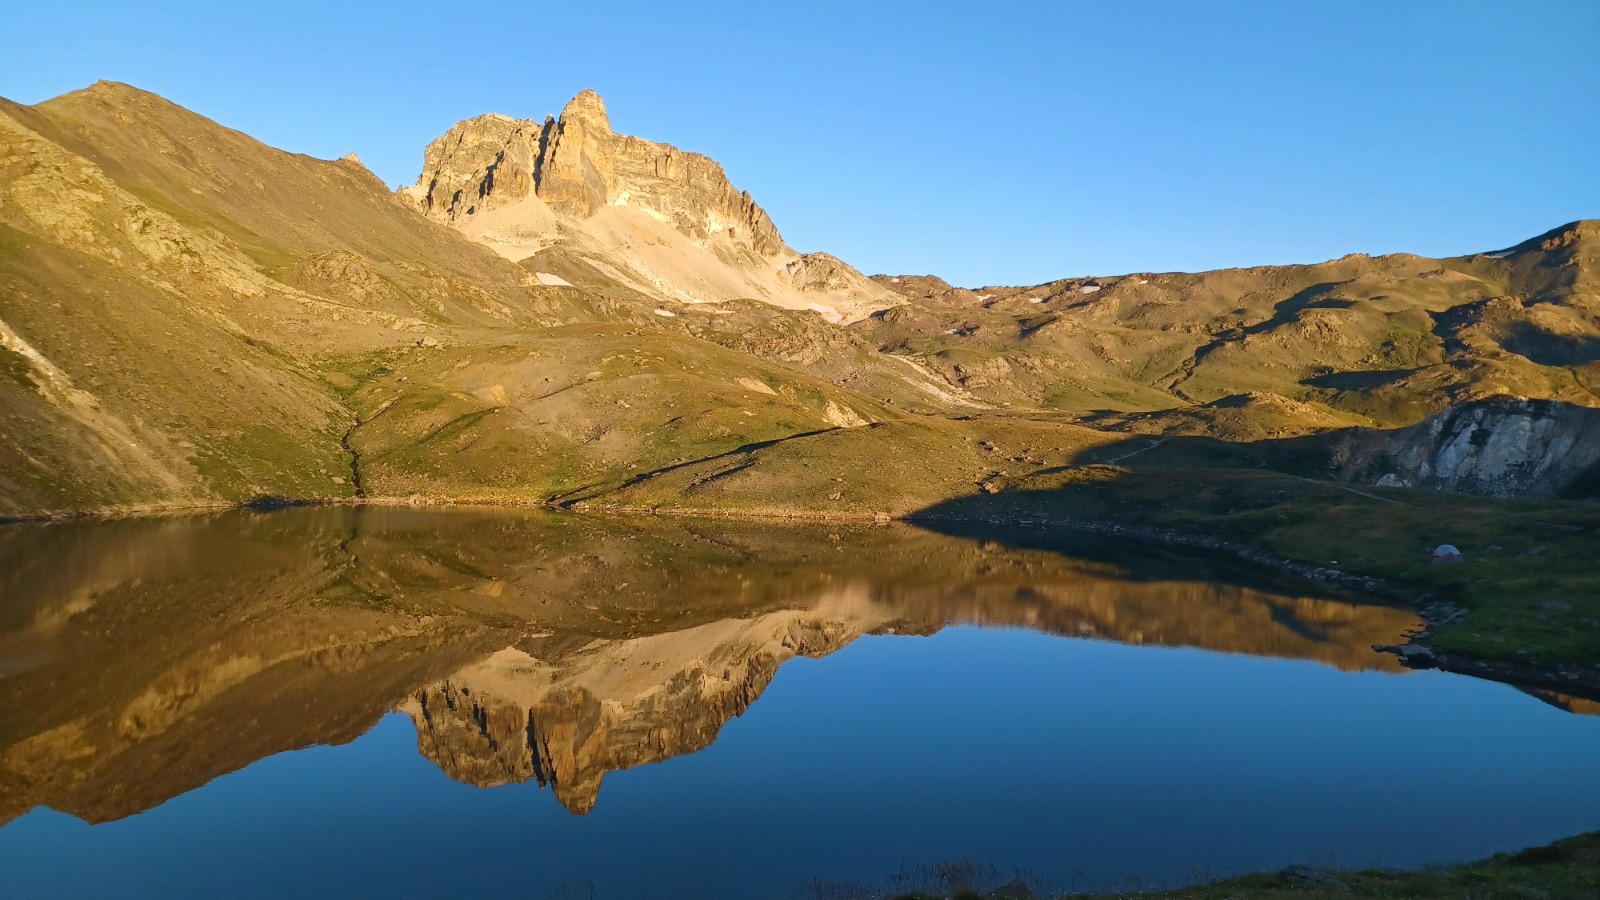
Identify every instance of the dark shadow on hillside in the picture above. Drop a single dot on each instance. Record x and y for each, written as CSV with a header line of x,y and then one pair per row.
x,y
571,497
1529,588
1503,447
1359,381
1550,349
1316,296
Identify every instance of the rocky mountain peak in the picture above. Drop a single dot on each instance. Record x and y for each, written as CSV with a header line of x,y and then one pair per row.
x,y
1583,231
667,222
575,174
588,110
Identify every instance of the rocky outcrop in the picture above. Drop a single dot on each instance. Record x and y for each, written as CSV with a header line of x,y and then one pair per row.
x,y
476,165
521,186
577,166
822,272
1503,447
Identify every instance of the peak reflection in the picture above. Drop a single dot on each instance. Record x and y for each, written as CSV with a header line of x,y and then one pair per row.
x,y
139,659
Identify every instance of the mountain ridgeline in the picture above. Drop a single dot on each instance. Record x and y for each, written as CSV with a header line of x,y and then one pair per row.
x,y
556,312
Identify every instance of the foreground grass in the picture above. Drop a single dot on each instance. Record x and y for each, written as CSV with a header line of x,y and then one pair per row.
x,y
1565,869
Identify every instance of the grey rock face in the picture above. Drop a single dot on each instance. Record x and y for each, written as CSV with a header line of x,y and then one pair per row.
x,y
1502,447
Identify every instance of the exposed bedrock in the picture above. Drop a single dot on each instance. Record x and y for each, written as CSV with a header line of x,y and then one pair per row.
x,y
1501,447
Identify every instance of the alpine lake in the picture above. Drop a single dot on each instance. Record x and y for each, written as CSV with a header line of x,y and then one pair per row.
x,y
392,701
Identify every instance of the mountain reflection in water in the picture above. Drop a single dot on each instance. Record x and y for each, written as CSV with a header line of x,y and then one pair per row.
x,y
143,658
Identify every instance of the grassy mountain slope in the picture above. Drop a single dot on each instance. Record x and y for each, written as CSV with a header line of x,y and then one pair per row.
x,y
188,317
1384,340
132,379
536,414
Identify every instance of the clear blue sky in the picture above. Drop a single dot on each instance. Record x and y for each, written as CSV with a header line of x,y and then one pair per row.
x,y
993,142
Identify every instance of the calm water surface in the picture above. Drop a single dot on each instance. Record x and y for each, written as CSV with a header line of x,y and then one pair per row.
x,y
404,703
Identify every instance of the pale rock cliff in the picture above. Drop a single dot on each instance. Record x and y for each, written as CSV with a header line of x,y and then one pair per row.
x,y
655,219
1502,447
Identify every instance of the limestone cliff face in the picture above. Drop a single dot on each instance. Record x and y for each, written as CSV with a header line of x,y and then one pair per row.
x,y
1503,447
477,165
522,187
577,166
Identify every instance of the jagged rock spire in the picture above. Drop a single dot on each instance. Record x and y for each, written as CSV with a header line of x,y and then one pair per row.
x,y
589,110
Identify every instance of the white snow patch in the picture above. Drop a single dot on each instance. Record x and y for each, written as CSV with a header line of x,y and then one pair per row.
x,y
666,313
549,280
1088,288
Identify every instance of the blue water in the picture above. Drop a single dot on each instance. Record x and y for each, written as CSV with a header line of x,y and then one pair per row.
x,y
1086,763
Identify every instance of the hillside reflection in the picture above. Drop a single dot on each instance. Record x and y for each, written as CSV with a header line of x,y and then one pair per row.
x,y
141,659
